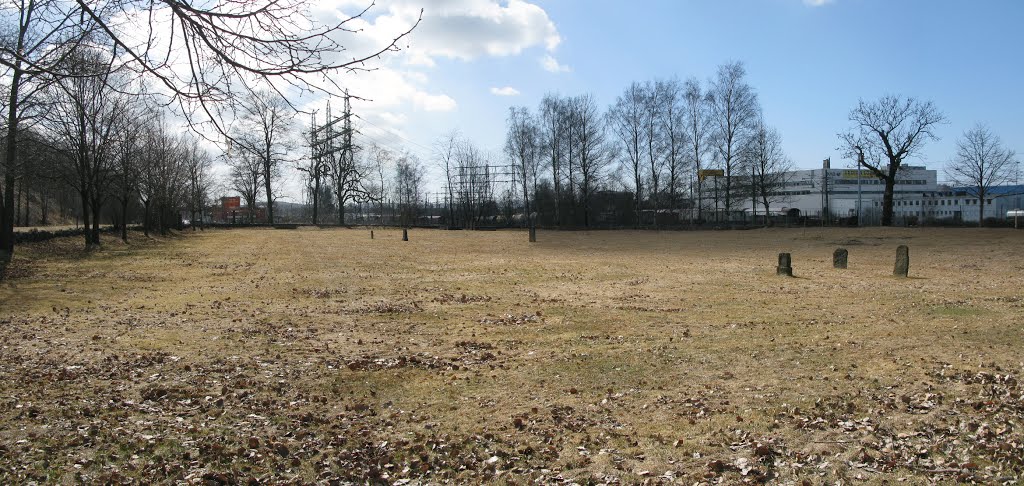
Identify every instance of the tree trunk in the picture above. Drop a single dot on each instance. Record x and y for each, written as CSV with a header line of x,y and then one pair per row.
x,y
97,206
28,204
85,218
316,200
700,199
266,185
558,196
728,190
17,204
44,206
7,204
161,218
890,182
124,220
981,207
7,211
586,206
145,218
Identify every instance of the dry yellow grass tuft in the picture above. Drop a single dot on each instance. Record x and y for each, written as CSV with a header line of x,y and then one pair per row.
x,y
322,355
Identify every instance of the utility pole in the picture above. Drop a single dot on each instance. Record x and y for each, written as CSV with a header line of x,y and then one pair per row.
x,y
753,197
347,154
825,212
860,163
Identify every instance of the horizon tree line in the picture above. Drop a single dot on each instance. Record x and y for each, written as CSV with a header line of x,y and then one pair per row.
x,y
665,141
202,60
655,142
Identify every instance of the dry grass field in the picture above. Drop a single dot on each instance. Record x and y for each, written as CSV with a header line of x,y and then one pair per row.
x,y
322,356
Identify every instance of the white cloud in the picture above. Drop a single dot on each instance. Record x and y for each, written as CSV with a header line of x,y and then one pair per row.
x,y
817,3
452,29
469,29
393,118
506,91
463,30
551,64
428,102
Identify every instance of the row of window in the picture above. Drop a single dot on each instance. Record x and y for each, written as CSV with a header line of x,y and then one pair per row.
x,y
941,202
932,213
867,182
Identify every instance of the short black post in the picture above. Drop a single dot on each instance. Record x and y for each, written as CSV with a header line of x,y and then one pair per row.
x,y
371,234
785,267
405,234
902,267
533,234
839,258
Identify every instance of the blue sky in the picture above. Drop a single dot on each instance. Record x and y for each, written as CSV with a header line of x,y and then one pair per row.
x,y
808,62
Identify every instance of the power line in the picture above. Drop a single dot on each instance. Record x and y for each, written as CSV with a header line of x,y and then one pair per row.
x,y
394,133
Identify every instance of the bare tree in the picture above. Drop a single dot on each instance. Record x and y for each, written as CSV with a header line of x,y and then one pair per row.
x,y
768,163
981,162
590,147
522,146
204,54
673,127
351,178
197,164
43,35
887,132
698,129
87,111
163,177
554,143
130,146
314,169
263,132
628,119
380,160
654,105
408,187
475,186
199,54
734,110
246,178
446,150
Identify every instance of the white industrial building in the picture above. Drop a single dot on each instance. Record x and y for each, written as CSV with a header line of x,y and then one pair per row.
x,y
834,193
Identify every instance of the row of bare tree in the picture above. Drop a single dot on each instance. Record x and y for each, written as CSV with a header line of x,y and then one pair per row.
x,y
656,140
96,133
200,59
663,141
887,132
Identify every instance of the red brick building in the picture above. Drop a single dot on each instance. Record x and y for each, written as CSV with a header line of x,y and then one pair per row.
x,y
232,211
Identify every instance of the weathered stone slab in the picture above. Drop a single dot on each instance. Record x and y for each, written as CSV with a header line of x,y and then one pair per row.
x,y
785,265
840,257
902,261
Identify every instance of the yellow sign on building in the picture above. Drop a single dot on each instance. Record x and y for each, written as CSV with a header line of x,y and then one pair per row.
x,y
852,174
705,173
